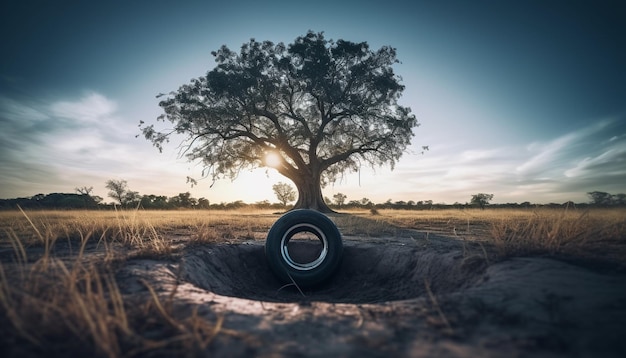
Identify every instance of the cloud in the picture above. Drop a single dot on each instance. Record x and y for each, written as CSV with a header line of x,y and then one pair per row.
x,y
554,157
56,146
91,108
27,124
20,123
610,162
587,159
41,142
17,112
561,169
446,173
545,157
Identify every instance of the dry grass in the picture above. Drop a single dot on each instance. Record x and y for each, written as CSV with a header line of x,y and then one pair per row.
x,y
55,302
130,227
51,309
590,234
58,291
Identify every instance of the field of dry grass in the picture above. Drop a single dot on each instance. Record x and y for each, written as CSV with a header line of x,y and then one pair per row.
x,y
513,230
58,291
586,234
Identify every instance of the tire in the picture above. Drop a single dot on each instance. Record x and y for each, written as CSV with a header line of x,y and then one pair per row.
x,y
279,247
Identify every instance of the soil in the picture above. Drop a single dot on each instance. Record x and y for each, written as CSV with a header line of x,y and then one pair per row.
x,y
403,297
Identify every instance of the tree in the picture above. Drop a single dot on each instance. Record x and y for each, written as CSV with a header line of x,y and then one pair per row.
x,y
619,199
481,199
90,200
340,198
154,201
312,110
284,192
203,203
84,190
600,198
131,198
183,200
118,190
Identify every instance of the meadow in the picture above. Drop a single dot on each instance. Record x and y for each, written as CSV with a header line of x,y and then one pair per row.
x,y
58,275
510,231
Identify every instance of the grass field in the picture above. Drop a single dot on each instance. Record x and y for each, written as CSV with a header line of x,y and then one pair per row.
x,y
58,290
512,229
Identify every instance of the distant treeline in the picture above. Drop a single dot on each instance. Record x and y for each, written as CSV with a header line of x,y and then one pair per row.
x,y
185,201
52,201
148,202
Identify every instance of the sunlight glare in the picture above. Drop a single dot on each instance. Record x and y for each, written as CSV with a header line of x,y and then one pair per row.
x,y
273,159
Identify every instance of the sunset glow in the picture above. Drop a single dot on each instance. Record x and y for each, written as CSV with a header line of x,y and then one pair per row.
x,y
523,100
272,160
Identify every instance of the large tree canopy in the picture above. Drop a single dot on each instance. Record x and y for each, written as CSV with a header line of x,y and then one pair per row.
x,y
321,107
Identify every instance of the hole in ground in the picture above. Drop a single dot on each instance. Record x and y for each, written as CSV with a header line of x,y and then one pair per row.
x,y
369,273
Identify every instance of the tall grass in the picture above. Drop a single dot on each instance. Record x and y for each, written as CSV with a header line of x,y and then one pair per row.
x,y
53,304
134,228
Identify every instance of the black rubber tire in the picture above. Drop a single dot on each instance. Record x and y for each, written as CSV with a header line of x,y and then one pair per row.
x,y
310,273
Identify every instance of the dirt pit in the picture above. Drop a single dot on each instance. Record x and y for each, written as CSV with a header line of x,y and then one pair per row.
x,y
369,273
423,297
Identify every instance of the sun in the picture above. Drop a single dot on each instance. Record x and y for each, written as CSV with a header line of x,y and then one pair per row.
x,y
273,159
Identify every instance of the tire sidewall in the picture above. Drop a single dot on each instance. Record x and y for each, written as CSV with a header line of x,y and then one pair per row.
x,y
308,277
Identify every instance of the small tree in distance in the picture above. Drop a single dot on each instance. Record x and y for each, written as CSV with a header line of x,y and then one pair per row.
x,y
84,190
284,192
481,199
118,189
601,198
340,199
203,203
120,192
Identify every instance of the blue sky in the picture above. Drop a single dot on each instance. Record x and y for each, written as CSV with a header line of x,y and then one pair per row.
x,y
525,100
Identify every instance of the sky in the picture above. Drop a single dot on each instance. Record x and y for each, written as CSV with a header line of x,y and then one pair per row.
x,y
525,100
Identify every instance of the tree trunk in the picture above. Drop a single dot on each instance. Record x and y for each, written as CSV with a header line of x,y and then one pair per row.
x,y
310,194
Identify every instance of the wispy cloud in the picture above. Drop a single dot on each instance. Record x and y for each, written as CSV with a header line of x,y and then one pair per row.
x,y
91,108
553,157
587,159
546,157
590,158
44,143
18,112
608,163
59,145
557,170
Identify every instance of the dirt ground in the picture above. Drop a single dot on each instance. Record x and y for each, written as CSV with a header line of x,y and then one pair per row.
x,y
415,297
